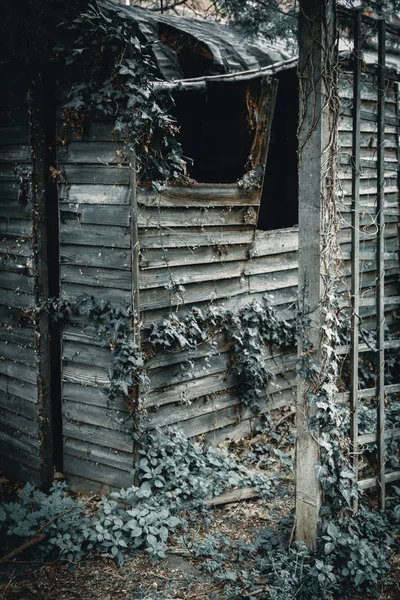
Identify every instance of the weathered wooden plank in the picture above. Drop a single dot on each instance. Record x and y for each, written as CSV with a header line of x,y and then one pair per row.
x,y
368,153
366,233
14,153
369,114
94,194
368,184
17,264
153,298
18,406
20,440
96,174
73,392
220,344
89,414
116,278
18,353
176,414
18,282
189,390
179,373
86,375
9,189
16,227
93,256
278,241
169,277
111,153
86,354
117,440
95,214
346,125
282,299
193,237
197,273
74,290
16,299
199,194
101,475
18,422
74,232
16,247
86,334
101,131
269,282
14,134
390,161
19,470
18,335
97,454
367,91
271,264
21,389
9,209
195,217
152,258
367,139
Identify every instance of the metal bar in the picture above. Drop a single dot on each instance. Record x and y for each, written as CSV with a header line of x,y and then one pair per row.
x,y
380,259
355,247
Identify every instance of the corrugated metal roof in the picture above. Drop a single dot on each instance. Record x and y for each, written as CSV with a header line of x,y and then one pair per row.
x,y
223,48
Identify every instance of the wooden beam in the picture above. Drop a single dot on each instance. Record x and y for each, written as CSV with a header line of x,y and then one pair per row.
x,y
317,123
355,246
380,260
40,242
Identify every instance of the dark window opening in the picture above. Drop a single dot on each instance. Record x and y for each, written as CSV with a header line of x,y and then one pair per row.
x,y
279,201
215,132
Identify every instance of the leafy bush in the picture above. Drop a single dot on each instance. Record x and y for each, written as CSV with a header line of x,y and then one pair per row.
x,y
252,329
174,473
67,523
352,556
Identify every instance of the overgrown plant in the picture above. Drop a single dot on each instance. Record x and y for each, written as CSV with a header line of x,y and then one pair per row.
x,y
116,80
253,329
113,325
174,474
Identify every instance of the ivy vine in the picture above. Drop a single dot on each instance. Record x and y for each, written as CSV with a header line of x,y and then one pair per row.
x,y
116,80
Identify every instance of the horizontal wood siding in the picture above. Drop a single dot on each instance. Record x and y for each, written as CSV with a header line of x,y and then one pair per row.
x,y
199,247
95,257
19,430
368,187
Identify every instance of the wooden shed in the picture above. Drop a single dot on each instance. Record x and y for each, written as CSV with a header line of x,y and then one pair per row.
x,y
94,230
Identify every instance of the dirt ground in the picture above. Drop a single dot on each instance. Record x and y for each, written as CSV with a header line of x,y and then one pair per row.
x,y
179,576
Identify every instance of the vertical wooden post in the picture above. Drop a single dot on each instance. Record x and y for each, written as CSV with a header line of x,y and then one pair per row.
x,y
41,178
355,244
135,256
317,123
380,263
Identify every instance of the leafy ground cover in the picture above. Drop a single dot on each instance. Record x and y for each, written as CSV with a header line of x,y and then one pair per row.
x,y
237,550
